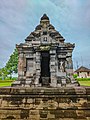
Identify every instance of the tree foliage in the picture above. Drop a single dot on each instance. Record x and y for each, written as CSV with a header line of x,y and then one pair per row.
x,y
11,65
3,73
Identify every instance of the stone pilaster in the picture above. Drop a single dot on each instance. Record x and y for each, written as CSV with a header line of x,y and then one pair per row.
x,y
21,70
69,67
53,68
38,68
21,66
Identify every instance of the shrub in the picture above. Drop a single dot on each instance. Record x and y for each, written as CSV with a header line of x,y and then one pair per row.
x,y
75,75
83,79
8,78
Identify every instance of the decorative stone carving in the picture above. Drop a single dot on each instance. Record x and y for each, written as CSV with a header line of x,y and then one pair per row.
x,y
61,66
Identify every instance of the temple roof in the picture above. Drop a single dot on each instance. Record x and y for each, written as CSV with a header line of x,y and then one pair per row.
x,y
51,26
38,27
46,26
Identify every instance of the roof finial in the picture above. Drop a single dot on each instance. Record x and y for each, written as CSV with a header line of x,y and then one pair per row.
x,y
44,17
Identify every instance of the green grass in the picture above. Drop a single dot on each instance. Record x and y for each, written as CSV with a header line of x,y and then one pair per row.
x,y
5,84
83,79
84,83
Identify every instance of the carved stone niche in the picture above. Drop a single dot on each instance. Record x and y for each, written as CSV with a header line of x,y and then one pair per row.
x,y
61,64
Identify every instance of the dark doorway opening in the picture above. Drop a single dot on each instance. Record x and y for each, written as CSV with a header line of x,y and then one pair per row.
x,y
45,69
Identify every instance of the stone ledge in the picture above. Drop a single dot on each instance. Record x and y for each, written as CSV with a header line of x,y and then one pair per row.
x,y
42,90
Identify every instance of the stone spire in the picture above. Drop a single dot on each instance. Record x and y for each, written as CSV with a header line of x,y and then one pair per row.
x,y
44,17
44,20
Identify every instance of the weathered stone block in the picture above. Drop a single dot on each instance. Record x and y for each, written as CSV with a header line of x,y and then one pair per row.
x,y
24,114
43,114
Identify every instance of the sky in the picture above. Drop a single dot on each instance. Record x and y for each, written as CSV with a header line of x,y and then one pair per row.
x,y
18,18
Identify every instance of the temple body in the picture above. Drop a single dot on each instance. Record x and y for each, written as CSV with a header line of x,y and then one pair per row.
x,y
45,59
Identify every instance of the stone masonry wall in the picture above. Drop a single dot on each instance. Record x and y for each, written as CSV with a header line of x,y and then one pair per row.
x,y
45,103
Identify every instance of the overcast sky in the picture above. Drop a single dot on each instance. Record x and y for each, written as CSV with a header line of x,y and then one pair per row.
x,y
70,17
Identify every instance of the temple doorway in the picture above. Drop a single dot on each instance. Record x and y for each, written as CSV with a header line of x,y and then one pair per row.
x,y
45,69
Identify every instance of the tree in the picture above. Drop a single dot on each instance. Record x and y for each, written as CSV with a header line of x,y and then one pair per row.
x,y
11,65
3,73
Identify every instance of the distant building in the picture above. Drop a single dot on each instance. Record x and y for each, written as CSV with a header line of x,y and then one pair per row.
x,y
83,72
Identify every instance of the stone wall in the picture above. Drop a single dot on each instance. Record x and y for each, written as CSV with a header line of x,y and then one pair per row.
x,y
45,103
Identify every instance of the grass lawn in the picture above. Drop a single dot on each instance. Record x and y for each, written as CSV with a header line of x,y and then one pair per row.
x,y
85,83
5,83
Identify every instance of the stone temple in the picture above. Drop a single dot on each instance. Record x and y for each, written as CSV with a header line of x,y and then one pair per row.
x,y
45,88
45,59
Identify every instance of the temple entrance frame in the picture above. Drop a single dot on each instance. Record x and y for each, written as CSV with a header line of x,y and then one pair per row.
x,y
45,68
